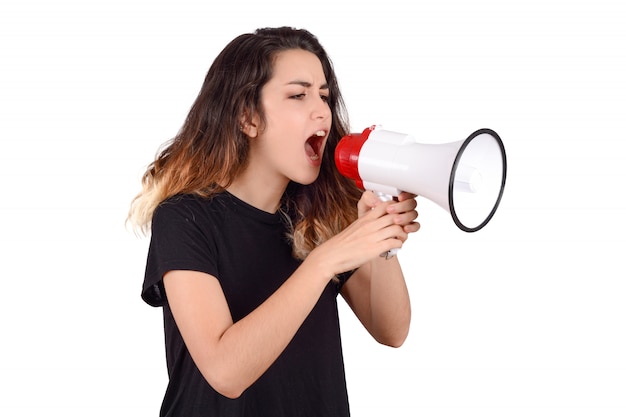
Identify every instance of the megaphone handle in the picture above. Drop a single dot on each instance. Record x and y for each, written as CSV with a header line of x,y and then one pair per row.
x,y
386,197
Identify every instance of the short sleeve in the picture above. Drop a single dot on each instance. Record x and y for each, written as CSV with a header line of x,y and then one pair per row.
x,y
178,242
342,279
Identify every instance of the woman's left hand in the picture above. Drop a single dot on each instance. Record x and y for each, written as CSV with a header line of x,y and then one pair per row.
x,y
403,208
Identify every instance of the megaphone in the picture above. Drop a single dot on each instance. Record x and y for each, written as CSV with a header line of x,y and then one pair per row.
x,y
466,178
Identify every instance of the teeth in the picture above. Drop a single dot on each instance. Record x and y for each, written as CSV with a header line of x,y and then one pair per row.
x,y
314,157
320,133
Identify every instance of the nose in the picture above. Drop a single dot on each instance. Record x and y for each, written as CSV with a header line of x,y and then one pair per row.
x,y
321,109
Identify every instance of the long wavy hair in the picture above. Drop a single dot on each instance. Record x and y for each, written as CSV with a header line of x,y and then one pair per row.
x,y
210,150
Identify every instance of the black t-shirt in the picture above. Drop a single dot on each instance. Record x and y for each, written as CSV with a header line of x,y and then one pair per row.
x,y
246,250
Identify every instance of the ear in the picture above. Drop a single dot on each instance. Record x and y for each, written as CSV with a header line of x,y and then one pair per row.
x,y
249,126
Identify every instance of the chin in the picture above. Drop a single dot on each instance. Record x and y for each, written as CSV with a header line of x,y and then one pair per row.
x,y
307,180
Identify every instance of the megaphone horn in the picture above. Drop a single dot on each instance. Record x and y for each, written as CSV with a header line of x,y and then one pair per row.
x,y
466,178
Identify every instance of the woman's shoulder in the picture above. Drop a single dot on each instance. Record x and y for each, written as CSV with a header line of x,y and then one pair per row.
x,y
190,206
181,200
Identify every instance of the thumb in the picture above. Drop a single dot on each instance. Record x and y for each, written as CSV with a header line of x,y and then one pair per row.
x,y
368,201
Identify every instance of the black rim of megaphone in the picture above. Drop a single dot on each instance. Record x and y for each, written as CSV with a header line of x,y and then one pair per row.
x,y
453,174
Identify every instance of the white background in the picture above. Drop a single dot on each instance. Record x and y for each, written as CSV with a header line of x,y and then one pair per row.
x,y
525,318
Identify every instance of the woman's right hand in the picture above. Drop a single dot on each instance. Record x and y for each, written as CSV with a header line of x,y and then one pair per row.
x,y
374,232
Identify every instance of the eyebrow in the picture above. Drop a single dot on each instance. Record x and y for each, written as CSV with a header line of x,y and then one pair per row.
x,y
308,84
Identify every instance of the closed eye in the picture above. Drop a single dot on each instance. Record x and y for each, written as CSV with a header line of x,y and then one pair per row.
x,y
325,98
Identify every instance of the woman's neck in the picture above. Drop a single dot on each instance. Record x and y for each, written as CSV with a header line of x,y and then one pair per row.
x,y
264,196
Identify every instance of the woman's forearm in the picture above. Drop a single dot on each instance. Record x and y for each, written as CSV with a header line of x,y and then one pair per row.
x,y
390,302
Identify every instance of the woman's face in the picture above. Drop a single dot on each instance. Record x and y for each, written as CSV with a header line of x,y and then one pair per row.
x,y
298,120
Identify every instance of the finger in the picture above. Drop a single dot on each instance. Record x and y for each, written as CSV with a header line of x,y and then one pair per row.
x,y
412,227
403,206
378,219
368,201
391,232
371,198
408,215
407,221
406,196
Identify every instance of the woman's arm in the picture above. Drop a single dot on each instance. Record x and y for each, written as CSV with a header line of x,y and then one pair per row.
x,y
231,356
377,291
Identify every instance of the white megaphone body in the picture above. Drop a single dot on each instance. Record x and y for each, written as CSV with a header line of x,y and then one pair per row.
x,y
466,178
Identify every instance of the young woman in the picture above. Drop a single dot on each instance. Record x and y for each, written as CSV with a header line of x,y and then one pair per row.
x,y
254,233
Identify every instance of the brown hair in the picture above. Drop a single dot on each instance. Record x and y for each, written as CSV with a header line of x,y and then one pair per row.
x,y
210,150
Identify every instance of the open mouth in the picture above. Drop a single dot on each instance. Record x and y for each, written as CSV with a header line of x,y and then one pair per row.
x,y
313,145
